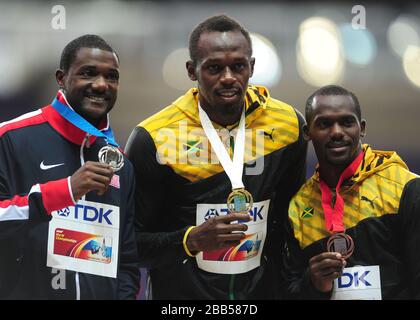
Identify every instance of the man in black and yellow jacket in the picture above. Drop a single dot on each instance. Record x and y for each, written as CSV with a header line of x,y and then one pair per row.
x,y
187,240
354,196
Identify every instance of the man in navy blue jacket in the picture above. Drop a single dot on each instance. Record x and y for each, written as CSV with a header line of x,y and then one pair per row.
x,y
66,191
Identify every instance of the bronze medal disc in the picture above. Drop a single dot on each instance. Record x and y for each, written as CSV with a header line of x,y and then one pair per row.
x,y
341,243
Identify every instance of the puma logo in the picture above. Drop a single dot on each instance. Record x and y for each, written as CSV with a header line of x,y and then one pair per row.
x,y
270,135
363,198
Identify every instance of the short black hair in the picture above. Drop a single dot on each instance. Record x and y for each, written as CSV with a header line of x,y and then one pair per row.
x,y
331,90
86,41
218,23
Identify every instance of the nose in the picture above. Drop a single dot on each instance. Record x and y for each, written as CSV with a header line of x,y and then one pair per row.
x,y
99,83
337,132
227,76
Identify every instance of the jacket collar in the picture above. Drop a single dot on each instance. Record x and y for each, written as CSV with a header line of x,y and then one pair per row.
x,y
66,128
373,161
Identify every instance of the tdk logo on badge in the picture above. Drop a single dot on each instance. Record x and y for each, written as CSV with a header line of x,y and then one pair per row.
x,y
205,211
64,212
91,212
353,280
255,212
211,213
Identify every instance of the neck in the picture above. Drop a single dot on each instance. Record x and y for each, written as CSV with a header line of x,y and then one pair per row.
x,y
222,117
331,174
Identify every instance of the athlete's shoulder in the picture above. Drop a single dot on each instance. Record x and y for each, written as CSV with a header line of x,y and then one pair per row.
x,y
284,109
26,120
173,113
310,189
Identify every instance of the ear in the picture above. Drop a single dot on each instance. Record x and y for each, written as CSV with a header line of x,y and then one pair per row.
x,y
305,129
191,70
59,76
252,62
363,128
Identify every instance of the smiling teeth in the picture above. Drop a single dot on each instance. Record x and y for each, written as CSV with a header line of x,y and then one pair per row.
x,y
228,94
99,99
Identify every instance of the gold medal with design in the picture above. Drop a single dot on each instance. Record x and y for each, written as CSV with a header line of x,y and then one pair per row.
x,y
239,201
342,243
111,156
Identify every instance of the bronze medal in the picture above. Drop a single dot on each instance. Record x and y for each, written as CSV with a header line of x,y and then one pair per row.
x,y
341,243
239,201
112,156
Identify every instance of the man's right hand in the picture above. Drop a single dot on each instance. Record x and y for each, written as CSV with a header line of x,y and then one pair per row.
x,y
91,176
324,268
218,232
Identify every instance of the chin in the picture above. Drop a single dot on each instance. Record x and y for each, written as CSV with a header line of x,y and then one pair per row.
x,y
339,161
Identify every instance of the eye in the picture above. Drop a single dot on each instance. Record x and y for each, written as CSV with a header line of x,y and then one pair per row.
x,y
324,123
114,76
239,66
349,121
214,68
87,73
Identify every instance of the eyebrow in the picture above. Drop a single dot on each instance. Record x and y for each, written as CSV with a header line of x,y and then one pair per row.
x,y
213,60
91,66
328,117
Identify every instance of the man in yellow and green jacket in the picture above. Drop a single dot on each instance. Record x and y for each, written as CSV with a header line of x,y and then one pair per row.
x,y
355,191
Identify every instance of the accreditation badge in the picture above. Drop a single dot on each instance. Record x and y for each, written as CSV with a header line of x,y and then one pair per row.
x,y
85,238
358,283
246,255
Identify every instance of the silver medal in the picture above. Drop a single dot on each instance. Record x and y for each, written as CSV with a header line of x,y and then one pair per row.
x,y
112,156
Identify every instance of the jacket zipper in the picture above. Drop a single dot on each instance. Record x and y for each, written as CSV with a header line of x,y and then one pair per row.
x,y
82,162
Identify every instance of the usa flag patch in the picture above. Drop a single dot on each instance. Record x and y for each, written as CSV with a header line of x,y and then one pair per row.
x,y
115,181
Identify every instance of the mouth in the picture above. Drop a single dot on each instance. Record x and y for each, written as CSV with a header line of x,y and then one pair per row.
x,y
228,94
96,98
338,147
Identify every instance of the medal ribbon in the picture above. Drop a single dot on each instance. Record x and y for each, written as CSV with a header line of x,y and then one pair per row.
x,y
74,118
233,168
334,215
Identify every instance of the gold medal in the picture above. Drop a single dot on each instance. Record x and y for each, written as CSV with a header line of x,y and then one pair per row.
x,y
112,156
239,201
341,243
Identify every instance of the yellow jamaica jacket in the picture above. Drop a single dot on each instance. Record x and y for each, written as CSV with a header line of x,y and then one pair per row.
x,y
371,200
178,175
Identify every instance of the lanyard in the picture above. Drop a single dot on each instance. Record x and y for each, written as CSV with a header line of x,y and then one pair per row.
x,y
233,168
334,214
74,118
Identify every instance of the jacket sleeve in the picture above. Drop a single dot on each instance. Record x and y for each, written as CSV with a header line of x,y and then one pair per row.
x,y
409,213
156,246
295,162
296,168
129,273
295,276
18,207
